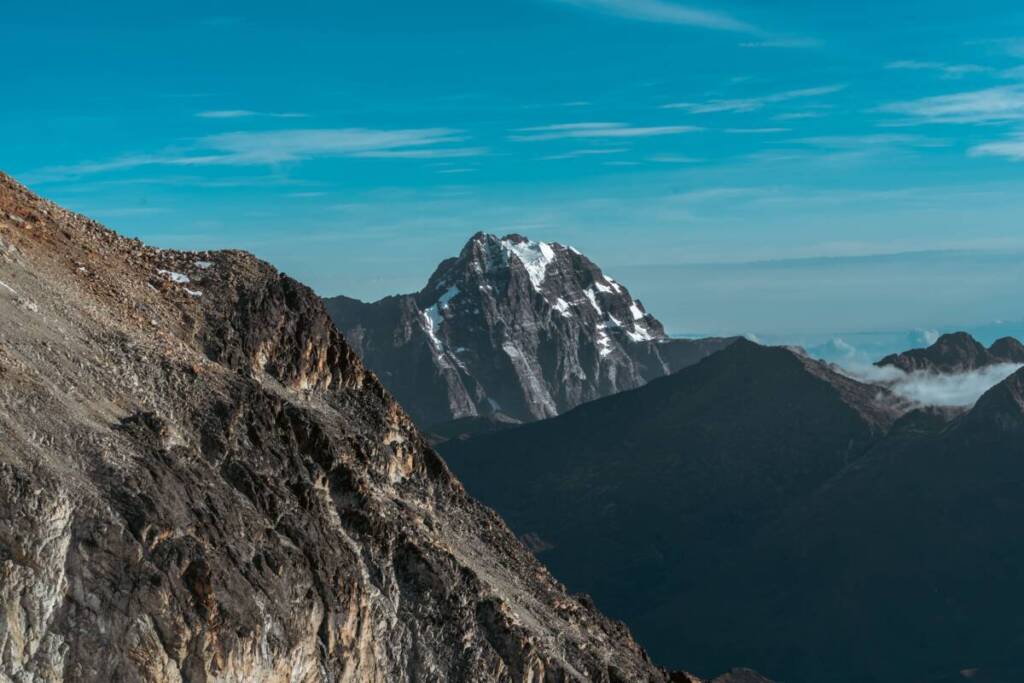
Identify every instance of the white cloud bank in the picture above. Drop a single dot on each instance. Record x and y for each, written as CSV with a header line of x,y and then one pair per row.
x,y
933,389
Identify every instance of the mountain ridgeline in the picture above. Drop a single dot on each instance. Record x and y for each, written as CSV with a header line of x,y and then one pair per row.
x,y
200,481
762,508
512,330
957,352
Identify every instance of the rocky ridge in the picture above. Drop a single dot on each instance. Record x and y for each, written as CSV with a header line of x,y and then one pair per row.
x,y
200,481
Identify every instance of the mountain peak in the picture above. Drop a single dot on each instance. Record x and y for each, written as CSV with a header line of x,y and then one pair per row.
x,y
1007,350
512,327
954,352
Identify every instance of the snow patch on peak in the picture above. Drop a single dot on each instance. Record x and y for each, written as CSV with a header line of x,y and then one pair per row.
x,y
433,317
448,296
604,342
535,257
634,308
639,333
562,306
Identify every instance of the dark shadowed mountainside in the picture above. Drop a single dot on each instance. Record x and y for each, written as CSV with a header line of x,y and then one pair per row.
x,y
821,533
640,498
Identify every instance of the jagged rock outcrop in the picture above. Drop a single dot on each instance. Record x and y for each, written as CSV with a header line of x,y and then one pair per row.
x,y
512,328
199,481
956,352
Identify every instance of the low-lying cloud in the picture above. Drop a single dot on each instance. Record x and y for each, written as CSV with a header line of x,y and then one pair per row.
x,y
932,389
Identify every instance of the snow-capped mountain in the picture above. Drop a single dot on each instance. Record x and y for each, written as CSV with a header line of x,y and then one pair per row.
x,y
512,329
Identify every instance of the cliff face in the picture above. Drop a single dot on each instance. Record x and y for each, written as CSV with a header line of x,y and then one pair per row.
x,y
199,481
512,329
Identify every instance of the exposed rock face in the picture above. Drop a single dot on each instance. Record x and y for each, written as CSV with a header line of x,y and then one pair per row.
x,y
199,481
957,352
512,328
793,513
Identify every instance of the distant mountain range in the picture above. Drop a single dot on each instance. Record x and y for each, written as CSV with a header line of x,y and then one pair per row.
x,y
958,352
511,330
762,508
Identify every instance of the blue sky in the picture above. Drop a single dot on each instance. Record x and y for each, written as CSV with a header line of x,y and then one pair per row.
x,y
841,166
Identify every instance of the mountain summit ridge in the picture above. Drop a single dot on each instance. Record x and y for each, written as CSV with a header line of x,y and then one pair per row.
x,y
515,329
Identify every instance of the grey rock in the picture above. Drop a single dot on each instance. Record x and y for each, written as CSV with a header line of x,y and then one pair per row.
x,y
513,329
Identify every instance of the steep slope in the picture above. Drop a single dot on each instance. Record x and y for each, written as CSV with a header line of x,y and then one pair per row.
x,y
512,328
907,567
199,481
641,498
957,352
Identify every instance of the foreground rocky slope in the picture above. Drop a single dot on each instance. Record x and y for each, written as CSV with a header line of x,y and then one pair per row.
x,y
199,481
512,330
759,507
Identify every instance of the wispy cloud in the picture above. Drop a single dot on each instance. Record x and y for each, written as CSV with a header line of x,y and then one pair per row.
x,y
247,113
577,153
259,148
797,115
755,131
595,130
784,43
1013,47
664,12
752,103
860,142
1012,149
673,159
991,105
947,70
